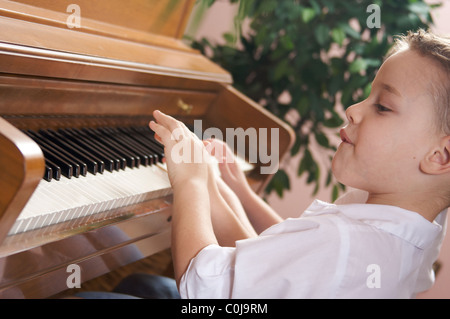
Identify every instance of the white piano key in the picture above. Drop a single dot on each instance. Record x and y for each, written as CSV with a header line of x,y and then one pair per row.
x,y
57,201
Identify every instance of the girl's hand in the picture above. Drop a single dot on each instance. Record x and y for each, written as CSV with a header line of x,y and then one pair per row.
x,y
229,168
259,213
186,156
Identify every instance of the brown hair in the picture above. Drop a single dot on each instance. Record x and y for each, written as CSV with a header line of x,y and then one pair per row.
x,y
437,48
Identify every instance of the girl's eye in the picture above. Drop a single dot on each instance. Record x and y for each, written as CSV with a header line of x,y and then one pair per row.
x,y
381,108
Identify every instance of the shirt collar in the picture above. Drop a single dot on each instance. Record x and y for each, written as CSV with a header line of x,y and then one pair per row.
x,y
400,222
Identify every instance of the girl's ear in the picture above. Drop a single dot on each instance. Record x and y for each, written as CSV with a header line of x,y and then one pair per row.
x,y
437,161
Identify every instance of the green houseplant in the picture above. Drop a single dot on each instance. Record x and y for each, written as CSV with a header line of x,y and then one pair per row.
x,y
301,59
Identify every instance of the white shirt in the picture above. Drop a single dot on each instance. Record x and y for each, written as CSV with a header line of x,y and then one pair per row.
x,y
331,251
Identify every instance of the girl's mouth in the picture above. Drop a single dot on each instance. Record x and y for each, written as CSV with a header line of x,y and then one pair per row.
x,y
344,137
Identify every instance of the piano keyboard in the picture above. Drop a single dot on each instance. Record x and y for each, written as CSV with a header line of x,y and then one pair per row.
x,y
93,170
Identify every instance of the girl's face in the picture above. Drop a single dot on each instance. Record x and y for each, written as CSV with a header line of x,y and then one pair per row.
x,y
390,132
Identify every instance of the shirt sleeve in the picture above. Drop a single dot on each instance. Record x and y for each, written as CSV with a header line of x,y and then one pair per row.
x,y
228,272
210,274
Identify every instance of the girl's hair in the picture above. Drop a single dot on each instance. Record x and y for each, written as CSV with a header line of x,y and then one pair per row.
x,y
437,48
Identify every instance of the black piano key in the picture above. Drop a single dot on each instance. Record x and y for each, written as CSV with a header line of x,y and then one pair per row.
x,y
48,173
76,167
146,157
91,148
93,164
158,150
106,140
119,161
56,170
136,133
140,144
83,165
130,144
83,150
66,168
148,133
149,139
121,146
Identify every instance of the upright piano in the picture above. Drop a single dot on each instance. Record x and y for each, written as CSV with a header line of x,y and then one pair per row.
x,y
82,181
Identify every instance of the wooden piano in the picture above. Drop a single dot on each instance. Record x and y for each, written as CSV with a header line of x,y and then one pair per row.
x,y
99,80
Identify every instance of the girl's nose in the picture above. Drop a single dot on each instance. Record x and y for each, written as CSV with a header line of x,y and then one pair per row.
x,y
354,113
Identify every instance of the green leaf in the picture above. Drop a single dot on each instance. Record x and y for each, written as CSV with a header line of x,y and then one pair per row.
x,y
322,139
303,105
286,42
358,65
321,33
314,174
329,177
373,62
281,70
334,121
296,147
335,193
316,189
367,90
338,35
346,98
308,14
229,37
419,8
351,32
306,162
316,6
279,183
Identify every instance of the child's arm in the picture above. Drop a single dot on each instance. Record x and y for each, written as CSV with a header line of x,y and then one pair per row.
x,y
192,180
191,221
235,206
228,217
191,224
260,214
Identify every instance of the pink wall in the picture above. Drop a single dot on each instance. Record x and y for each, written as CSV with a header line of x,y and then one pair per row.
x,y
219,19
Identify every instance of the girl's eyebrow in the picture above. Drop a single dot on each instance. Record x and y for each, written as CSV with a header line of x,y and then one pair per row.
x,y
390,89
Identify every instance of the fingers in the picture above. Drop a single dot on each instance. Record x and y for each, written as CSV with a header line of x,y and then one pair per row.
x,y
228,166
167,128
162,134
166,120
220,150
